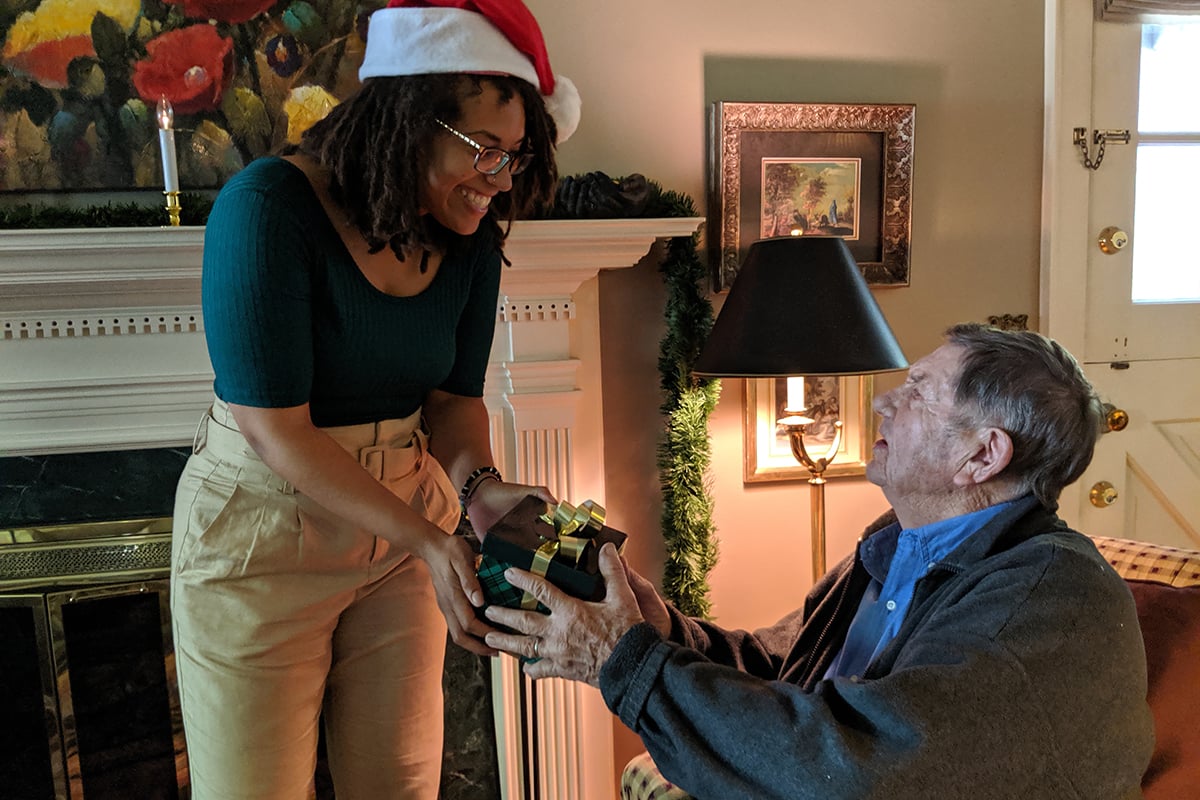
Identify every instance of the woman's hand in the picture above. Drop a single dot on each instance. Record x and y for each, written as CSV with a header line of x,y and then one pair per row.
x,y
452,567
493,499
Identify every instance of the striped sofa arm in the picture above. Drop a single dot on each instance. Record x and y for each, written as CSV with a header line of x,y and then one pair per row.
x,y
641,780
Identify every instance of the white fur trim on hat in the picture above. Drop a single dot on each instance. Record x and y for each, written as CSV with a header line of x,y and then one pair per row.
x,y
422,41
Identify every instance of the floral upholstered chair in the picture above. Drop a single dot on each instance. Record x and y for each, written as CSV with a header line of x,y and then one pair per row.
x,y
1165,582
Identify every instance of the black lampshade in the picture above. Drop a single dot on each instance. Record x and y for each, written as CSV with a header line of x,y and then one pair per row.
x,y
799,306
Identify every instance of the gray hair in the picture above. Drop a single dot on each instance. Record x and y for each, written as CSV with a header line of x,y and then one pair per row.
x,y
1032,388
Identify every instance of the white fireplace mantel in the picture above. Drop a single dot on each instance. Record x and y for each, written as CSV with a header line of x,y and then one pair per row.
x,y
101,338
102,348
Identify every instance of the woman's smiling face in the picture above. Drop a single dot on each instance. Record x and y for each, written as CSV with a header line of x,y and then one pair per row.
x,y
453,191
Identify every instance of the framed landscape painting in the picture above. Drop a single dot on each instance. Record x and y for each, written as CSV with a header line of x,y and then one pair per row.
x,y
790,169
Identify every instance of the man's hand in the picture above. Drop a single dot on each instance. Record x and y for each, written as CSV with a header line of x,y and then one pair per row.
x,y
577,637
650,603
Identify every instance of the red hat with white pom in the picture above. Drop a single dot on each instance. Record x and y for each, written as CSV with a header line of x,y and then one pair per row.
x,y
420,37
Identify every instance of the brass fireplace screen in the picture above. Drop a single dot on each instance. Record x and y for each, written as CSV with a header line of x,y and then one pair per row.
x,y
89,697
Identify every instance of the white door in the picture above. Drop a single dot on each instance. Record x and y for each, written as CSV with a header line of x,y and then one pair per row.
x,y
1139,306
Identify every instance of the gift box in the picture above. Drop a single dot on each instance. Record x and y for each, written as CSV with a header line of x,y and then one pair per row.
x,y
561,543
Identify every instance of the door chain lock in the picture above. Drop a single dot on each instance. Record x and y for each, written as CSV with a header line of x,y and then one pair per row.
x,y
1101,138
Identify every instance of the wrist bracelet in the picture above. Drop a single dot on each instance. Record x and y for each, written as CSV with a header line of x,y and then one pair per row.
x,y
474,479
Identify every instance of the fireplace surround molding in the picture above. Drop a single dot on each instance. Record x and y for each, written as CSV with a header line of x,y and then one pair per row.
x,y
102,348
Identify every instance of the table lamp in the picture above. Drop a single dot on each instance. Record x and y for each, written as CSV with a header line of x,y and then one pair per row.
x,y
799,306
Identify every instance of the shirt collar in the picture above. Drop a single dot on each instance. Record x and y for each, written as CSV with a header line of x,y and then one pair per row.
x,y
933,542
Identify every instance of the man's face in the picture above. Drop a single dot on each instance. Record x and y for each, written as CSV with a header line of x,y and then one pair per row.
x,y
920,449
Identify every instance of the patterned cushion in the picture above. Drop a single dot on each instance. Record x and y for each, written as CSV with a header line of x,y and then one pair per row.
x,y
1142,561
641,780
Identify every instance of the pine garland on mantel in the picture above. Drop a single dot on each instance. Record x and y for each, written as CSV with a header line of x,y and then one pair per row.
x,y
684,451
41,216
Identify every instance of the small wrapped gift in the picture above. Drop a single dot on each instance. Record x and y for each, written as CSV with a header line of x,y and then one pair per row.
x,y
561,543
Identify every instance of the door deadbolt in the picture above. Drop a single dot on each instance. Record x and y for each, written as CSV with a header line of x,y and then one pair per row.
x,y
1112,240
1115,419
1103,494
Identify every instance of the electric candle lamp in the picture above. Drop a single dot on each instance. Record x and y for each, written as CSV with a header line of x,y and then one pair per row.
x,y
170,167
795,395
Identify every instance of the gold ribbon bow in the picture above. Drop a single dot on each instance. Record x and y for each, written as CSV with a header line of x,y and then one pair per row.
x,y
575,528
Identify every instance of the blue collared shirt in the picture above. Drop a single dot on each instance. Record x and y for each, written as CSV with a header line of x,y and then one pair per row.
x,y
896,559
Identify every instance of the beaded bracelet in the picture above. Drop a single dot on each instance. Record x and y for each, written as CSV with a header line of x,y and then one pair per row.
x,y
474,480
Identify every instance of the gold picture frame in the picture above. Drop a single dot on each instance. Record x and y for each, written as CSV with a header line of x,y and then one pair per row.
x,y
768,455
836,169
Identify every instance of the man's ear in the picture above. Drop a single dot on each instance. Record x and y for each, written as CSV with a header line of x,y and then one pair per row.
x,y
994,450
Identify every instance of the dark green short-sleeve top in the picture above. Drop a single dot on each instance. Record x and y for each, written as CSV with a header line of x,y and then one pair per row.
x,y
290,319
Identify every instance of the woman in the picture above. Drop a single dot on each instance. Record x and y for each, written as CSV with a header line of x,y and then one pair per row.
x,y
349,295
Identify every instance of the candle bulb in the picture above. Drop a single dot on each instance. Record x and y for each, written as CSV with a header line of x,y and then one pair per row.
x,y
166,141
795,395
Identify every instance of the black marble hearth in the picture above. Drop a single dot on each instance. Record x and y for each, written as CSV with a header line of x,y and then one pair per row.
x,y
88,487
136,484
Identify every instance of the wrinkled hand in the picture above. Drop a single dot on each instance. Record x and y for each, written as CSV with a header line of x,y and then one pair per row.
x,y
452,567
494,499
650,603
577,637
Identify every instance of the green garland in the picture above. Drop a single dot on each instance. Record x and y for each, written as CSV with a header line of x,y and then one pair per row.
x,y
27,216
684,451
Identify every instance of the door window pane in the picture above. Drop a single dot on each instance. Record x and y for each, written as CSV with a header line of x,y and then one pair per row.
x,y
1166,259
1169,93
1166,256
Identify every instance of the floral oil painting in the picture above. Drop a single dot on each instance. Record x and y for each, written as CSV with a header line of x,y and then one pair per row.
x,y
810,195
80,81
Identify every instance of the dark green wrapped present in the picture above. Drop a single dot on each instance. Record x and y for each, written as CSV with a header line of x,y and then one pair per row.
x,y
561,543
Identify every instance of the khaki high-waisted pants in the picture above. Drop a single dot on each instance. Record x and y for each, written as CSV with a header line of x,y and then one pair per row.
x,y
280,609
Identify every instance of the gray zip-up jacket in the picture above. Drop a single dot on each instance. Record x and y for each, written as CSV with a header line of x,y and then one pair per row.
x,y
1018,672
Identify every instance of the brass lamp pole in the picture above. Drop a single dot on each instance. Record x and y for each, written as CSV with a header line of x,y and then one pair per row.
x,y
796,427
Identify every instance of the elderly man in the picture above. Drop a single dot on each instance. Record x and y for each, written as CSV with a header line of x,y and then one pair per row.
x,y
972,646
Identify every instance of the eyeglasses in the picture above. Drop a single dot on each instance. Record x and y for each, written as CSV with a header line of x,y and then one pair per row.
x,y
490,160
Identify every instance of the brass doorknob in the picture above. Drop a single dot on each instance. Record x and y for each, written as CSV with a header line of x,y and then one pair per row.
x,y
1112,240
1103,494
1115,419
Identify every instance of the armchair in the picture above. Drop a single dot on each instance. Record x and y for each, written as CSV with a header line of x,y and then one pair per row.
x,y
1165,582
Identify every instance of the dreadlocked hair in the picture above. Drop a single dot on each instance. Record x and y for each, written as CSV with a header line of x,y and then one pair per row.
x,y
376,147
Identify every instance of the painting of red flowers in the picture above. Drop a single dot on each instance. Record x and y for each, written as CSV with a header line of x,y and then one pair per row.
x,y
80,80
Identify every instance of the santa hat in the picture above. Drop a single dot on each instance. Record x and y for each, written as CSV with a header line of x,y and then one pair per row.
x,y
419,37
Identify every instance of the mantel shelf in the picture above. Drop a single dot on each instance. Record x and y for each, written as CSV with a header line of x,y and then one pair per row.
x,y
68,269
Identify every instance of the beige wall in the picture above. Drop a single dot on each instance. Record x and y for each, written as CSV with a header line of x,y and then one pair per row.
x,y
648,70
